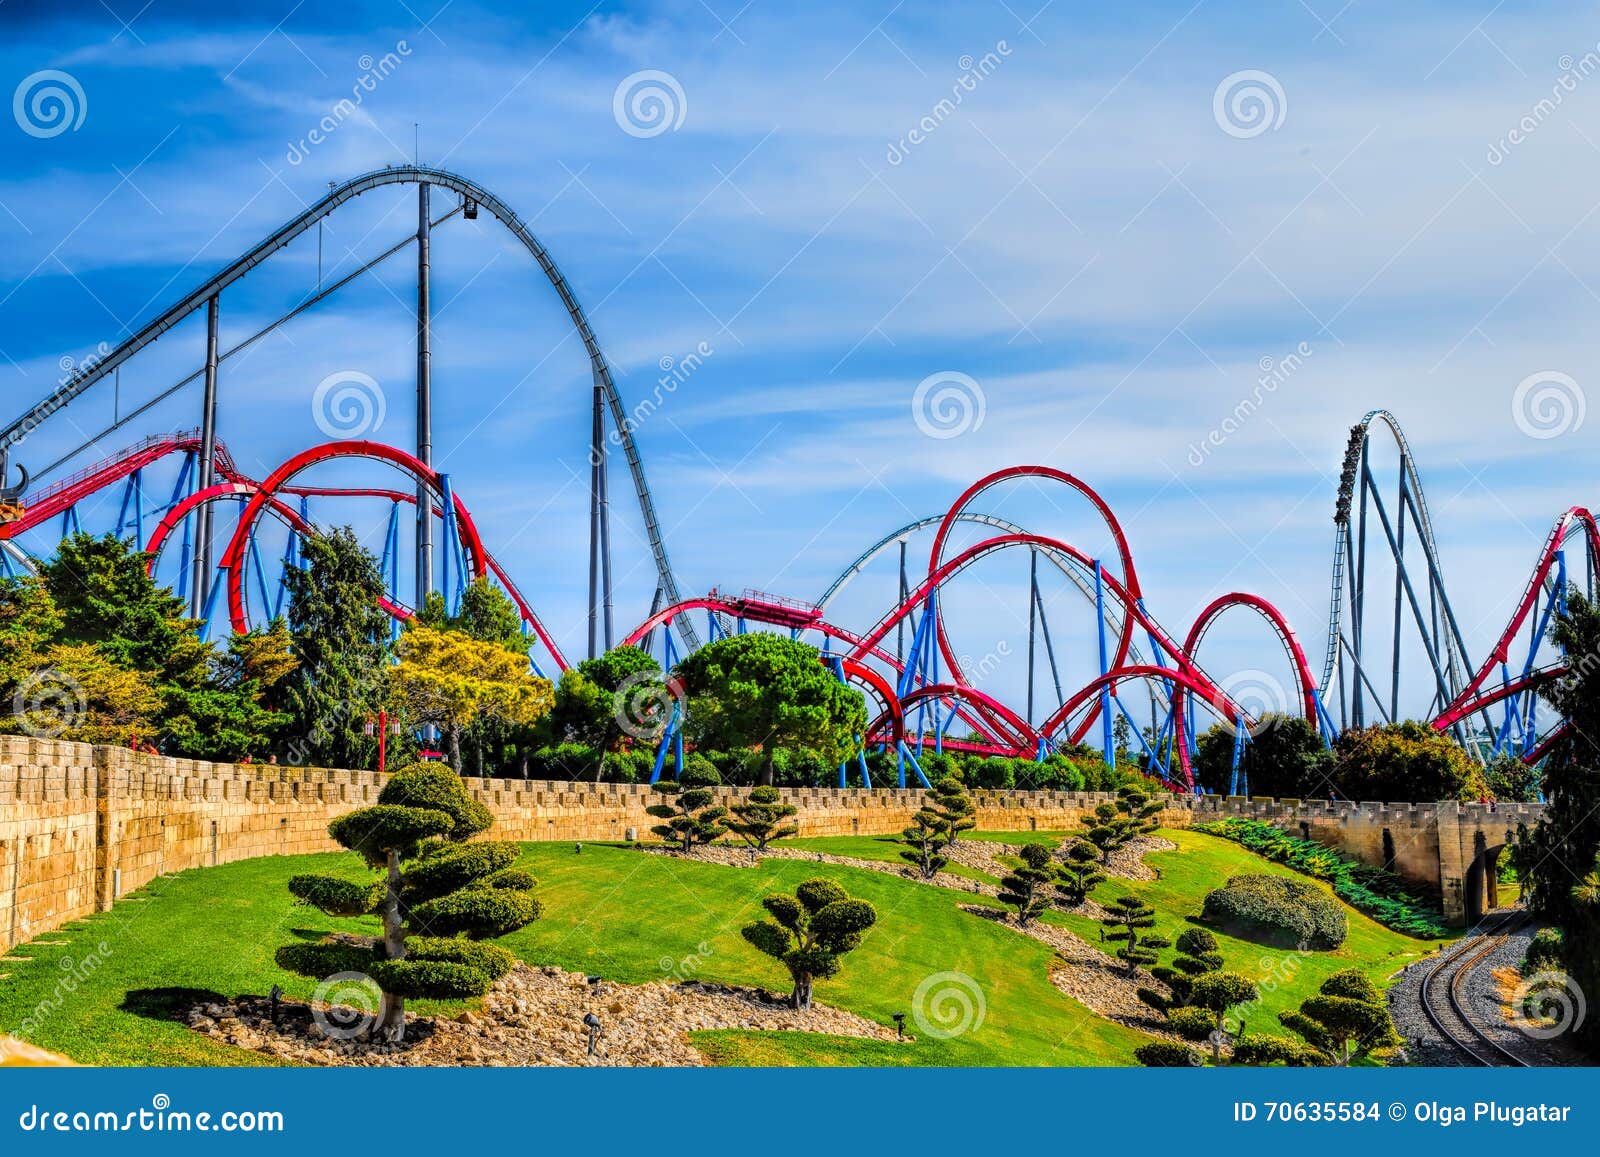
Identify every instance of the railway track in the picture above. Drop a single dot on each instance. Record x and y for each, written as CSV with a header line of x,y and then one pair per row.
x,y
1442,1000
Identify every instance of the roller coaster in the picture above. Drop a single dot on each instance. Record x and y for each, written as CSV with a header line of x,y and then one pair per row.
x,y
171,492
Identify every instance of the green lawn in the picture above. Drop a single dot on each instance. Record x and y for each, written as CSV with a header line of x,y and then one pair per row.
x,y
1285,977
632,918
880,848
624,915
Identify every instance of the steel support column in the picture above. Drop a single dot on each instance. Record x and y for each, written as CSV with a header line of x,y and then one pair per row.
x,y
424,393
201,586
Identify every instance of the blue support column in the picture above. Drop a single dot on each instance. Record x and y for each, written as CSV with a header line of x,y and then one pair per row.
x,y
1108,743
138,509
1238,755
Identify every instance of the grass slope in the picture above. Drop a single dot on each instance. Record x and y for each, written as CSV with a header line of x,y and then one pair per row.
x,y
1284,977
632,918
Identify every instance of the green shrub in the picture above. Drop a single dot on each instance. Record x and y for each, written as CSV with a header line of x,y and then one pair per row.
x,y
1277,909
486,912
435,787
1192,1023
565,761
1383,895
437,979
997,773
1167,1055
1263,1050
489,959
1544,952
323,960
336,897
447,867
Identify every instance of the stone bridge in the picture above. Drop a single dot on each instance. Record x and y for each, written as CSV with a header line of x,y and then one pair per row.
x,y
1451,848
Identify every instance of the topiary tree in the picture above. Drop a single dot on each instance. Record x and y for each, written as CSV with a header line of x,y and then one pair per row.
x,y
1197,955
950,802
1079,874
1027,889
1130,815
1167,1055
759,817
1129,916
810,931
690,817
769,691
1217,992
439,895
1348,1019
1275,1050
924,840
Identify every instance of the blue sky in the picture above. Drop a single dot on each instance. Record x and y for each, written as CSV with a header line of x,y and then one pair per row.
x,y
1108,254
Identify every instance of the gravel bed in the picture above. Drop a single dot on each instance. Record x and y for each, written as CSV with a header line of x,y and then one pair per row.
x,y
534,1017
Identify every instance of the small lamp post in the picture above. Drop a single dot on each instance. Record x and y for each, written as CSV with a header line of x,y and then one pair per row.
x,y
380,726
592,1023
899,1026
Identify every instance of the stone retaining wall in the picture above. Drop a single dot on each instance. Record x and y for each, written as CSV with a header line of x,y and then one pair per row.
x,y
81,825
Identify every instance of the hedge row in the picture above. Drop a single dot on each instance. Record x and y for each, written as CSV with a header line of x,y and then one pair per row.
x,y
1279,909
1381,894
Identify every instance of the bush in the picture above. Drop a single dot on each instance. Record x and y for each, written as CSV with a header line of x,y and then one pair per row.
x,y
434,787
434,979
1405,761
490,959
323,960
938,766
451,866
1381,894
996,773
565,761
1057,773
1192,1023
336,897
1285,757
1544,952
1167,1055
1277,909
487,912
1260,1049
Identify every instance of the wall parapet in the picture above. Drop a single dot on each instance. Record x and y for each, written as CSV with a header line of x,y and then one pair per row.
x,y
81,825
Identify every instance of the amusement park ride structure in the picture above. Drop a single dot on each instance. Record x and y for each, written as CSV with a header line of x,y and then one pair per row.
x,y
904,663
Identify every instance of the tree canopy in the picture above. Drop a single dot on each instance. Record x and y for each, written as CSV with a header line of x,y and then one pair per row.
x,y
769,691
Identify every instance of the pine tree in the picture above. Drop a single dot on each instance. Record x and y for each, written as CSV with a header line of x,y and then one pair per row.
x,y
1197,954
758,819
950,802
810,931
1347,1020
1130,815
1080,873
434,882
1130,916
1027,889
1217,992
340,638
690,817
924,839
